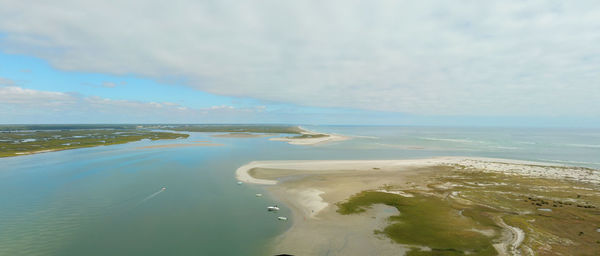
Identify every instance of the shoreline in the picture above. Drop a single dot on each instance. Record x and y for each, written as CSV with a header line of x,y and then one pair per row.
x,y
311,189
507,166
319,138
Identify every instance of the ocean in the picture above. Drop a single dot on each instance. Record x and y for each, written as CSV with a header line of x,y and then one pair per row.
x,y
109,200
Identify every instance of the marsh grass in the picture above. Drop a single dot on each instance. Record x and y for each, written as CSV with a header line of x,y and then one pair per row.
x,y
568,229
454,202
288,129
308,136
428,221
25,142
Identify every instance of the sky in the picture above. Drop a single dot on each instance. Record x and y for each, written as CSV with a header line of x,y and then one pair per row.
x,y
458,63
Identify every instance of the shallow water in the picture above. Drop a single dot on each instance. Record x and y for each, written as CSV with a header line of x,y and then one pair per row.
x,y
108,200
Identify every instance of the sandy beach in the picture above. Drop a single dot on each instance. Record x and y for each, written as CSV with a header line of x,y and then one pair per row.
x,y
312,189
311,138
506,166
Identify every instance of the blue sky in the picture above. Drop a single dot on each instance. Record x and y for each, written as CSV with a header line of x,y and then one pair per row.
x,y
34,73
489,63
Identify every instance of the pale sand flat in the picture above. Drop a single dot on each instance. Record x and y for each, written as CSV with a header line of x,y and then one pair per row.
x,y
312,188
312,141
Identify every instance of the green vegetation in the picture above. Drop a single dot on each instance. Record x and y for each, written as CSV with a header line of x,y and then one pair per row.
x,y
428,221
235,128
456,209
566,223
52,127
308,136
27,139
21,142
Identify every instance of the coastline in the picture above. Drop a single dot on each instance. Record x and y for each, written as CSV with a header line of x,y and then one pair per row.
x,y
507,166
311,189
311,138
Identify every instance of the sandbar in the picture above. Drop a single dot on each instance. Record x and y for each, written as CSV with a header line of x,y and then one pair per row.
x,y
311,138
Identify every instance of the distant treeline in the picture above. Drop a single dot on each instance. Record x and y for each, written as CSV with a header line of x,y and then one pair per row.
x,y
256,128
237,128
50,127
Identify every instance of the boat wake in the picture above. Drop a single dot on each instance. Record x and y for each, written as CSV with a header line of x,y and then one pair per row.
x,y
152,195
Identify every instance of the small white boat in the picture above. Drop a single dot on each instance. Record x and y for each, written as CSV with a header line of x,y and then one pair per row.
x,y
282,218
240,183
273,208
163,188
258,195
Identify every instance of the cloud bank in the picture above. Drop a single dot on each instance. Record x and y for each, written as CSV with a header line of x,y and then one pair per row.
x,y
20,105
419,57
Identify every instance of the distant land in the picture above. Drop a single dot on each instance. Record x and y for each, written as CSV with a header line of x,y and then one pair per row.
x,y
16,140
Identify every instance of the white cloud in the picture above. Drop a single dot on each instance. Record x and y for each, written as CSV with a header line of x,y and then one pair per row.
x,y
423,57
14,95
20,105
109,84
6,81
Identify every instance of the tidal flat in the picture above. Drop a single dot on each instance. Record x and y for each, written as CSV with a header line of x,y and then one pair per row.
x,y
440,209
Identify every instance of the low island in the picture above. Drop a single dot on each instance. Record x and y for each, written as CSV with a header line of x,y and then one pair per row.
x,y
25,140
18,140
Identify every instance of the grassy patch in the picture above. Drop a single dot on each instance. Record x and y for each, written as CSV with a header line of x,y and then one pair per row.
x,y
566,225
308,136
21,142
428,221
236,128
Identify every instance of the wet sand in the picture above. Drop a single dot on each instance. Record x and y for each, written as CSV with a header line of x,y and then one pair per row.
x,y
312,188
318,229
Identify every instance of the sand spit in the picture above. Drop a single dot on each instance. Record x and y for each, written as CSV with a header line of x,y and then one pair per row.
x,y
506,166
324,165
321,139
181,145
311,141
312,188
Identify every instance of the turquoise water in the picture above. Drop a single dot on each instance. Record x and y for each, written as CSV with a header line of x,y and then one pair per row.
x,y
96,201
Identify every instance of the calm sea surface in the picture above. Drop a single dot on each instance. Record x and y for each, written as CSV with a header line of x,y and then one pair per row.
x,y
108,200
